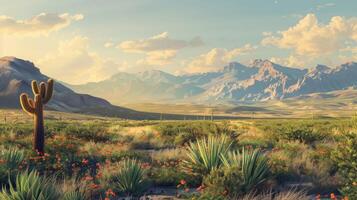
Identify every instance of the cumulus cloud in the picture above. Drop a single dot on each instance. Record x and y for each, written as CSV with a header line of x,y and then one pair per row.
x,y
42,24
74,63
311,38
108,44
159,50
292,61
158,58
159,42
216,58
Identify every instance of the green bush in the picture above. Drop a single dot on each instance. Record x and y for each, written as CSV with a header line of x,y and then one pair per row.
x,y
304,134
90,132
171,176
224,182
180,133
345,158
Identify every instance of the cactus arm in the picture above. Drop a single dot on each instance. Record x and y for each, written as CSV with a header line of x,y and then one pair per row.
x,y
25,104
43,90
35,89
49,91
31,102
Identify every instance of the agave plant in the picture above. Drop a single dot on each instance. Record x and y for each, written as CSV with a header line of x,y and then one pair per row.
x,y
12,158
74,195
253,165
130,179
204,155
291,194
73,190
31,186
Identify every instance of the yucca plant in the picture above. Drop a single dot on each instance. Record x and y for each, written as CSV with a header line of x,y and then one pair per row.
x,y
252,164
12,158
31,186
204,155
73,190
74,195
291,194
130,179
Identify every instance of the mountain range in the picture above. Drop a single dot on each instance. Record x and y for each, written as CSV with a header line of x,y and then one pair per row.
x,y
16,76
261,80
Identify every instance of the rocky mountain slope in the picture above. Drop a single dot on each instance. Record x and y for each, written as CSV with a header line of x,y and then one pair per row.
x,y
16,76
261,80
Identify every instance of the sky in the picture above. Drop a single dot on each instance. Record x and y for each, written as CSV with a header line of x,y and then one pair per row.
x,y
81,41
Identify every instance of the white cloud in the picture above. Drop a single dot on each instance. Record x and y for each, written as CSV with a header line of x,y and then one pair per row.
x,y
108,44
292,61
319,7
159,42
159,50
310,38
216,58
158,58
74,63
42,24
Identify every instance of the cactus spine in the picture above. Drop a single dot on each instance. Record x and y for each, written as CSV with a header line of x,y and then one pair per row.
x,y
34,107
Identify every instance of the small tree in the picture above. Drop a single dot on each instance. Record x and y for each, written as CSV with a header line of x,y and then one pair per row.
x,y
34,107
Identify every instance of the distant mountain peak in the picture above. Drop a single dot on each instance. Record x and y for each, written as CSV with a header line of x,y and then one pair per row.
x,y
261,62
322,68
233,67
10,62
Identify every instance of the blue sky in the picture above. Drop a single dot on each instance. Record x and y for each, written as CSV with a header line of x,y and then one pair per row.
x,y
91,38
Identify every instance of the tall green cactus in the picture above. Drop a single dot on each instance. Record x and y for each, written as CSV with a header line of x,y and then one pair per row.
x,y
42,95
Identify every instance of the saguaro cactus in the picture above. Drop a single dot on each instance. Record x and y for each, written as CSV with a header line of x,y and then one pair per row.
x,y
42,95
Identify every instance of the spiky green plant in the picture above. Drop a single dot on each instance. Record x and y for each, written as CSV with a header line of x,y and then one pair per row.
x,y
12,158
74,195
130,179
74,190
31,186
252,164
204,155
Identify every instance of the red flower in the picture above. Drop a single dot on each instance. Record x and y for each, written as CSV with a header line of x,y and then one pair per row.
x,y
85,161
109,193
183,182
332,196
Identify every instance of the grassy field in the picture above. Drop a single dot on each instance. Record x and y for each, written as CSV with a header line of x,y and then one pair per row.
x,y
107,158
331,104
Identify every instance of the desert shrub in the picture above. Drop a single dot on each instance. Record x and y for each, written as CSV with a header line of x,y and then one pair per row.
x,y
345,157
180,133
304,134
291,194
30,185
136,155
306,131
18,129
171,176
89,132
296,161
252,164
204,155
225,181
130,178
